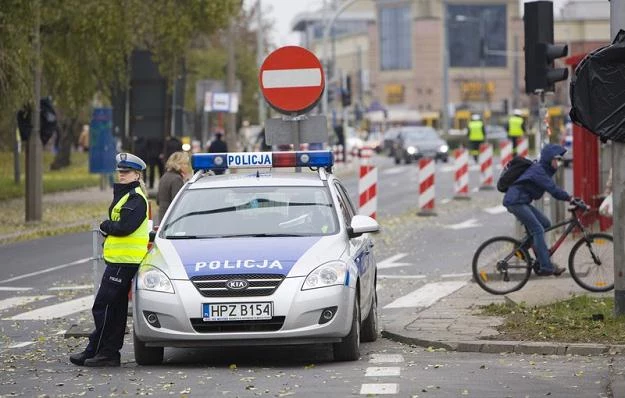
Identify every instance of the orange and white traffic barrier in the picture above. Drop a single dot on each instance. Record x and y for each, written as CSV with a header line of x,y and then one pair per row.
x,y
485,160
522,147
505,152
364,154
367,187
338,154
461,173
426,187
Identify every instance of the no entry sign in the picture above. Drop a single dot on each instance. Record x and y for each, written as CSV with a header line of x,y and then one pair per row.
x,y
291,80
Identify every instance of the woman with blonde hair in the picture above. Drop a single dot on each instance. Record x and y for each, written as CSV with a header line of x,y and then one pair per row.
x,y
177,170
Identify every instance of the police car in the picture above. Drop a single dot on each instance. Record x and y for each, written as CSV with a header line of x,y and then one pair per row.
x,y
258,258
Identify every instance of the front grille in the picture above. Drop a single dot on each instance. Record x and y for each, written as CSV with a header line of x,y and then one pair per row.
x,y
263,325
259,285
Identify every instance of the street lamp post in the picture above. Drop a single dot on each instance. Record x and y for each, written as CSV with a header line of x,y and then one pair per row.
x,y
445,102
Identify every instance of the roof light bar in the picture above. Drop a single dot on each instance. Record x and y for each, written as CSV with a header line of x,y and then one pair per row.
x,y
246,160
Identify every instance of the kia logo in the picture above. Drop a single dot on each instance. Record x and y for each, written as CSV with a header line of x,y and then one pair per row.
x,y
237,284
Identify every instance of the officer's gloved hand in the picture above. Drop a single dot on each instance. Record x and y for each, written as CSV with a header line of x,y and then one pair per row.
x,y
578,202
104,228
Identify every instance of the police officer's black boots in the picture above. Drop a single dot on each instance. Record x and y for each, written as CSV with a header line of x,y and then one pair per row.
x,y
101,360
80,357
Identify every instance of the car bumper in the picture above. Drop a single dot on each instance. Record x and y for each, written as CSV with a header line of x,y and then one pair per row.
x,y
296,314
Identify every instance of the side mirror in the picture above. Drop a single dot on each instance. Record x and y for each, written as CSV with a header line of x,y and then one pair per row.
x,y
151,236
362,224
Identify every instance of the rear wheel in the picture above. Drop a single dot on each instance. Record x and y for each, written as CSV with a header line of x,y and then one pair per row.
x,y
370,325
591,262
147,355
495,274
349,348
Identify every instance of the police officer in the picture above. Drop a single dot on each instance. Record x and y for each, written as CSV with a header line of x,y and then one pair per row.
x,y
515,128
125,245
476,135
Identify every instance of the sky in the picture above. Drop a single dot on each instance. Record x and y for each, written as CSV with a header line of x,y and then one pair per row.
x,y
282,13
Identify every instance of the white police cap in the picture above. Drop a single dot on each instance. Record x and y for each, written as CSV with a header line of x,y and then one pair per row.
x,y
128,161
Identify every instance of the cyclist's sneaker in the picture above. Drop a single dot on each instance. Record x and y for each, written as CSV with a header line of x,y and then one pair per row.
x,y
556,271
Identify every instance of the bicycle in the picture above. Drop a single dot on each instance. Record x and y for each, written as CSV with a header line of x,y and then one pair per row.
x,y
503,264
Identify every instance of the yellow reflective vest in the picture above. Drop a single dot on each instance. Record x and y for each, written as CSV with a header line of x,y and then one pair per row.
x,y
515,126
476,130
129,249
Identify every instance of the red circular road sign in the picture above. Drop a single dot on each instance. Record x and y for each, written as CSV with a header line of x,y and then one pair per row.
x,y
291,79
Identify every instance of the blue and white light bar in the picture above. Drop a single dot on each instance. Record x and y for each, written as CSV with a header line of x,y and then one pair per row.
x,y
246,160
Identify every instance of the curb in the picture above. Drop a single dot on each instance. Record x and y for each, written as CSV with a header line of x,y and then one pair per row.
x,y
500,346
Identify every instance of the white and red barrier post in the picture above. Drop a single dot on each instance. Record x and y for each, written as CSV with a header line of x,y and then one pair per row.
x,y
461,173
505,152
338,154
485,160
522,147
426,187
367,184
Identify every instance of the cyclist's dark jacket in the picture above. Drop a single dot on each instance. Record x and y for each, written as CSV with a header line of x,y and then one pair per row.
x,y
536,180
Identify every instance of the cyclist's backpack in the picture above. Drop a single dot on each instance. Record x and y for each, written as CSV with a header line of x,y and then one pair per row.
x,y
512,171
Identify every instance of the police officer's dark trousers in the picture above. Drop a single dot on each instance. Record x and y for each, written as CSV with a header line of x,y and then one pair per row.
x,y
110,310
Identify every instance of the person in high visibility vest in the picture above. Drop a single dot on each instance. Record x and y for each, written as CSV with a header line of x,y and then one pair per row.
x,y
515,128
476,135
125,245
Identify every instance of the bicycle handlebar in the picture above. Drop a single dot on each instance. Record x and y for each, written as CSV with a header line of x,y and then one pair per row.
x,y
578,204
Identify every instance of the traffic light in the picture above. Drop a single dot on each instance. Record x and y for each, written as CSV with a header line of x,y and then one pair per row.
x,y
346,92
540,52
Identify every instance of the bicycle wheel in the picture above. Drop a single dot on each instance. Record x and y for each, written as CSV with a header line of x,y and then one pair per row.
x,y
591,262
494,273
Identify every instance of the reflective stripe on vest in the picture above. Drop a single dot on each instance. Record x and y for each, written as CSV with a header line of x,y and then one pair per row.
x,y
515,126
476,131
128,249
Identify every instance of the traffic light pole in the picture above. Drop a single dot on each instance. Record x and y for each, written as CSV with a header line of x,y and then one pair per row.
x,y
617,21
540,133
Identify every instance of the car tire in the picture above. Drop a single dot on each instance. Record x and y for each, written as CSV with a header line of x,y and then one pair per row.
x,y
349,348
369,332
147,355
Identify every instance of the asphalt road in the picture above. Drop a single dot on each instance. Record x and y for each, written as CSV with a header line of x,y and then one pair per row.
x,y
45,287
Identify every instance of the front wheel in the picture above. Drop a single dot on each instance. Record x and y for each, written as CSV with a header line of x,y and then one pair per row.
x,y
501,266
591,262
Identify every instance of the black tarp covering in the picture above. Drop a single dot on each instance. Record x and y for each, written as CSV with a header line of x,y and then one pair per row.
x,y
598,91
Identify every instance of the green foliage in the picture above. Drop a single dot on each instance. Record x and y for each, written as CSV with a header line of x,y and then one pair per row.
x,y
74,177
582,319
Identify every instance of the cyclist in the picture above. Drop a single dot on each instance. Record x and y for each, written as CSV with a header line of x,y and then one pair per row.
x,y
531,185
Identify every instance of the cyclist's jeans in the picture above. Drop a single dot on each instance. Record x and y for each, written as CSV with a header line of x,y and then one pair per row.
x,y
535,222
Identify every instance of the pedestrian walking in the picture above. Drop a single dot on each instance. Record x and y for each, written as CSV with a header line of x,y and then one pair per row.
x,y
218,145
177,172
476,135
125,244
515,128
154,148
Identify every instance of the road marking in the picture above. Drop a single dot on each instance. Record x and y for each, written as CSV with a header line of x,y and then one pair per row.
x,y
391,261
379,389
14,289
445,201
22,344
78,287
394,170
470,223
402,276
379,371
81,261
386,358
17,301
461,275
56,310
496,210
427,295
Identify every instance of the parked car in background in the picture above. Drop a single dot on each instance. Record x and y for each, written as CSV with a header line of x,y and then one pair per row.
x,y
374,141
388,141
415,142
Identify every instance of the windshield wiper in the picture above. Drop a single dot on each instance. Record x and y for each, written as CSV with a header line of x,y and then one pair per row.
x,y
263,235
182,237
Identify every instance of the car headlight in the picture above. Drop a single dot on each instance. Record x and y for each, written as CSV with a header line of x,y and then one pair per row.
x,y
412,150
328,274
152,278
443,148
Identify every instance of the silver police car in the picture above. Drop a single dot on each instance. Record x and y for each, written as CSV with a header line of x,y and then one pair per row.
x,y
258,258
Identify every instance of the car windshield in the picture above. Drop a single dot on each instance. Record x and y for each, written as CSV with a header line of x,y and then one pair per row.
x,y
251,211
419,134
